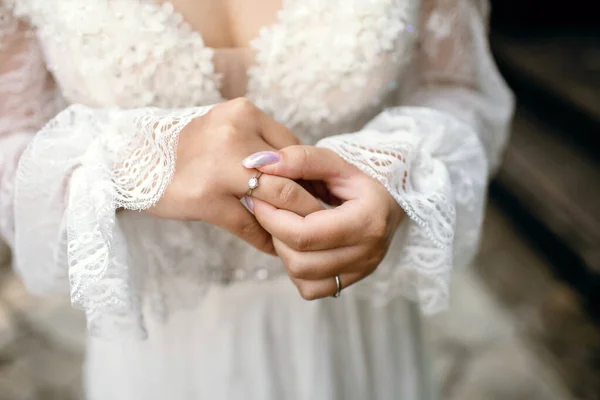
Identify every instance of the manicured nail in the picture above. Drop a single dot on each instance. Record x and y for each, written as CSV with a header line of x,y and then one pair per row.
x,y
249,203
260,159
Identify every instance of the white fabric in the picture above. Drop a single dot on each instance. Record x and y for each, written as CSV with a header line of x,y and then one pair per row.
x,y
239,344
420,72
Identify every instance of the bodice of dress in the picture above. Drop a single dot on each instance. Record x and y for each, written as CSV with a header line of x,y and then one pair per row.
x,y
405,90
140,53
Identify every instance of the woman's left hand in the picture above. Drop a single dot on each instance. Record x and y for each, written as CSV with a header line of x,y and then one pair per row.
x,y
349,240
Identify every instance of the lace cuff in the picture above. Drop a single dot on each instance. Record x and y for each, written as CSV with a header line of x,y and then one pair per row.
x,y
81,167
435,166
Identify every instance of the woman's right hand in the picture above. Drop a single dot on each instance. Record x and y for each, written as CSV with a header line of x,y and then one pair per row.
x,y
210,180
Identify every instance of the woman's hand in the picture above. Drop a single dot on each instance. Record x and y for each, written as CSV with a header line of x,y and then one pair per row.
x,y
349,241
210,180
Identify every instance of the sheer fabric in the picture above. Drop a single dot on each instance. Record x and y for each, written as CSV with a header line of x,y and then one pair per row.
x,y
410,96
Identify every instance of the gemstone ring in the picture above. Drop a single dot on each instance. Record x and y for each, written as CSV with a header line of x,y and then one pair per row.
x,y
253,184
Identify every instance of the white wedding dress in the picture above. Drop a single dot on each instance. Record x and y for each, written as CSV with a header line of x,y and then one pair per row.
x,y
93,95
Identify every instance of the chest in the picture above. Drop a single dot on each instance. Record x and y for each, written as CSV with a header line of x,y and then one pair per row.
x,y
313,65
228,23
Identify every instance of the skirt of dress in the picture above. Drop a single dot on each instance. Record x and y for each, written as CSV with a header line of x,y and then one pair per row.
x,y
261,340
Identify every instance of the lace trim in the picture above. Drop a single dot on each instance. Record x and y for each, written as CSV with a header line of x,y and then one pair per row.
x,y
118,159
391,161
420,156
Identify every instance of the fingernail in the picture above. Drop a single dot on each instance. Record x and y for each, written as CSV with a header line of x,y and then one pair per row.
x,y
260,159
249,203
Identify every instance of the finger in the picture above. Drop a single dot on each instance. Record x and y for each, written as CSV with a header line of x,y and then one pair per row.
x,y
309,186
316,265
239,221
286,194
321,192
309,163
313,290
318,190
321,230
275,134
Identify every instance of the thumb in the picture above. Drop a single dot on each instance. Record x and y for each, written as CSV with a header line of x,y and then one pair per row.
x,y
302,162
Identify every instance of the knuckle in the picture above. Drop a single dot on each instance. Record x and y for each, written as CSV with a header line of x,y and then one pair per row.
x,y
191,200
241,107
296,269
305,158
377,229
301,242
217,113
248,229
304,154
287,193
228,133
234,112
377,255
308,291
197,194
266,244
252,233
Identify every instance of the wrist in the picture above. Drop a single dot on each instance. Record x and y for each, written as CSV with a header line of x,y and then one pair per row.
x,y
396,212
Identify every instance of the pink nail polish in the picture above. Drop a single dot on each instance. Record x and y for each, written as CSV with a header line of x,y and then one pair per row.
x,y
260,159
249,203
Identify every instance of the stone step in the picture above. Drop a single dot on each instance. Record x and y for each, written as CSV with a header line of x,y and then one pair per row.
x,y
558,78
560,185
552,190
550,180
547,314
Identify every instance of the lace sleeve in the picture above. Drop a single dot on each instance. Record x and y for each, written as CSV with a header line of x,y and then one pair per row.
x,y
64,173
434,151
27,101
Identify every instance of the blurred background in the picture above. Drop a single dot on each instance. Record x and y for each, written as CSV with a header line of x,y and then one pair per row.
x,y
525,318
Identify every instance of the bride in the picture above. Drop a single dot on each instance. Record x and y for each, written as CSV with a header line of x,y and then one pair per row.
x,y
194,171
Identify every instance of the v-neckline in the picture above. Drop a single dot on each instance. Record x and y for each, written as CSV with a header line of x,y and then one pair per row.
x,y
253,44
